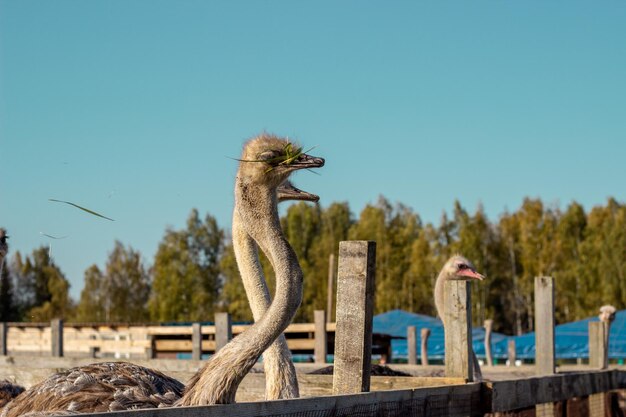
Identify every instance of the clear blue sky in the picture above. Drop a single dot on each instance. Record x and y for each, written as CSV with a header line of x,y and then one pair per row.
x,y
132,108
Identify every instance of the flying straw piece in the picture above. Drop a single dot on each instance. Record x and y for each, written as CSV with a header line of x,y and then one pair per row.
x,y
82,208
52,237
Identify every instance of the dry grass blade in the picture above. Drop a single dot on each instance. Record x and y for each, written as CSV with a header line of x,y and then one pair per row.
x,y
82,208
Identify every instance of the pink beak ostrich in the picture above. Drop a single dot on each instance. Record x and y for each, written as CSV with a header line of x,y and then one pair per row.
x,y
456,268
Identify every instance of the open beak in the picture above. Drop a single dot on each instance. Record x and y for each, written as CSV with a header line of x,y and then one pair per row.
x,y
471,274
286,191
307,161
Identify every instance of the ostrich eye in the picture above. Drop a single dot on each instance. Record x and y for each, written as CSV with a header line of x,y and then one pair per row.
x,y
463,266
268,156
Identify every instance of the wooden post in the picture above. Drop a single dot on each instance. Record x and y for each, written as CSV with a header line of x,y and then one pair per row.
x,y
597,346
56,330
511,352
544,335
331,286
196,341
488,329
598,359
150,352
93,351
425,334
223,330
4,332
544,325
355,307
458,332
321,344
411,344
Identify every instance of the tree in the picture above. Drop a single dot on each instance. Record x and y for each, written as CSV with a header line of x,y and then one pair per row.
x,y
186,271
8,303
126,286
93,298
42,291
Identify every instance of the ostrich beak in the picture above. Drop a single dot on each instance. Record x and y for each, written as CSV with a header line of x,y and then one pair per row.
x,y
471,274
287,191
307,161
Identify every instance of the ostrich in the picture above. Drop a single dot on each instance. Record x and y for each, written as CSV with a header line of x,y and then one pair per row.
x,y
266,163
607,316
456,268
280,375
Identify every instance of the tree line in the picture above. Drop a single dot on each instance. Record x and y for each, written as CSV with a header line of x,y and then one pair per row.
x,y
194,273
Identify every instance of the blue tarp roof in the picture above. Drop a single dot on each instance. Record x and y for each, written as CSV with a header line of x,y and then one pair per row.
x,y
571,338
395,323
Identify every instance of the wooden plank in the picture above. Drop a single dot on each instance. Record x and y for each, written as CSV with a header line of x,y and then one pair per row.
x,y
544,325
453,401
597,345
196,341
321,343
488,330
424,334
355,307
223,330
523,393
56,328
330,293
458,332
411,342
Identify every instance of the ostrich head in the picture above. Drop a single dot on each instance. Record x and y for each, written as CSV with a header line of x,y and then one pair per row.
x,y
287,191
269,160
607,313
456,268
4,246
459,268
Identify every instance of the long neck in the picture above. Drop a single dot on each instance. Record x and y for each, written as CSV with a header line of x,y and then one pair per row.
x,y
439,294
217,381
250,269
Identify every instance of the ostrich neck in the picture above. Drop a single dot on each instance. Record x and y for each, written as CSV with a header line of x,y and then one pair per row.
x,y
280,374
218,380
439,295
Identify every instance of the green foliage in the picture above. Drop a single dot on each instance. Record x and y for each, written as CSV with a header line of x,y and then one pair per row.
x,y
187,272
41,290
195,274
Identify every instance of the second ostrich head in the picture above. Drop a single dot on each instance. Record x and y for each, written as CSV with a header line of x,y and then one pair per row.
x,y
456,268
607,313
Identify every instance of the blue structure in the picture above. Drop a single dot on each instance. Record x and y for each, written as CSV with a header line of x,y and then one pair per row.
x,y
571,339
395,323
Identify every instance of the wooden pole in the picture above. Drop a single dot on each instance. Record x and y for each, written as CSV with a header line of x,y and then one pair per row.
x,y
597,345
355,307
544,335
544,325
223,330
425,334
56,330
411,344
488,329
4,332
331,286
196,341
321,342
511,352
458,332
598,359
